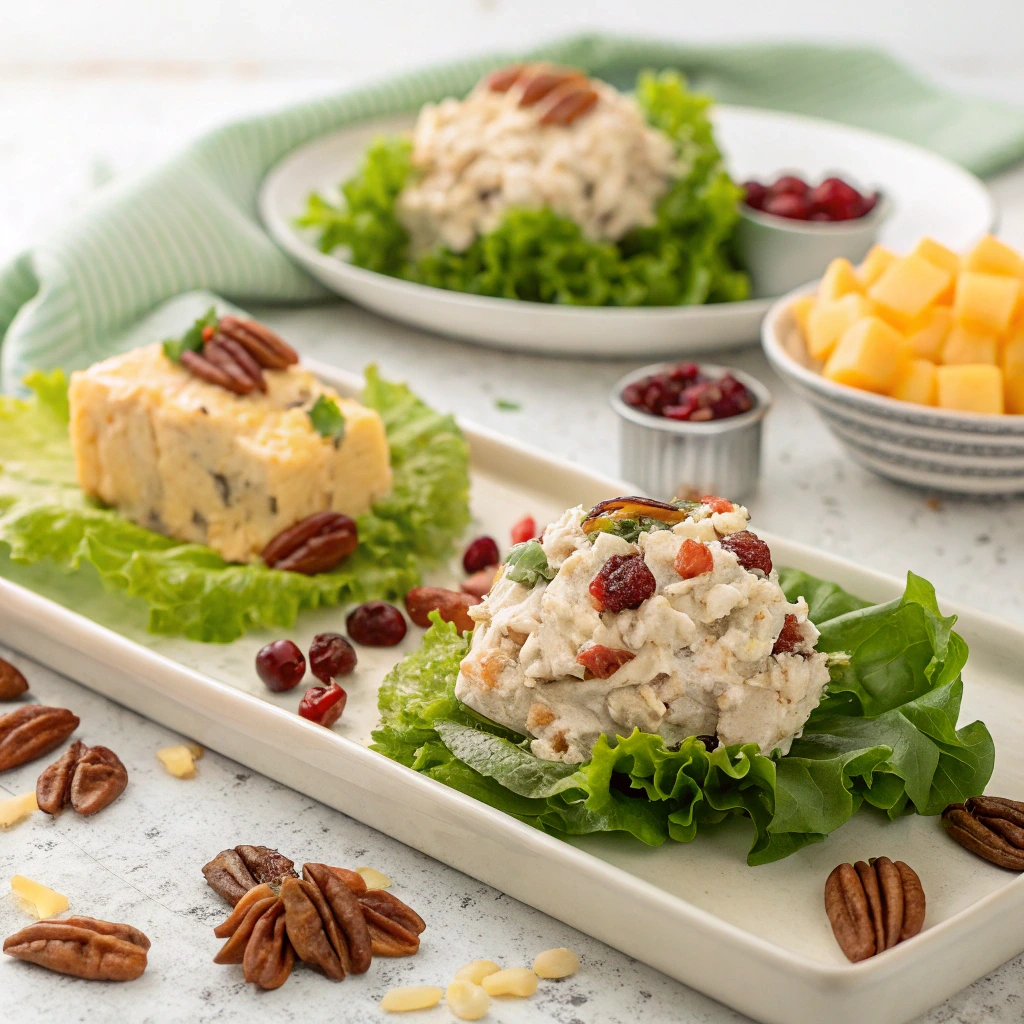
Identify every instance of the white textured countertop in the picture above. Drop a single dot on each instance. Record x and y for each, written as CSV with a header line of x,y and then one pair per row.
x,y
139,860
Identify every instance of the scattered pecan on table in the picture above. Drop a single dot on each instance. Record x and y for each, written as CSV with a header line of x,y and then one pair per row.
x,y
232,873
990,826
451,605
328,919
86,778
83,947
12,682
313,545
235,354
873,905
31,731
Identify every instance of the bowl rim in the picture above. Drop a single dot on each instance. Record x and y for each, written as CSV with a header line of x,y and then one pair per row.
x,y
881,405
705,428
869,221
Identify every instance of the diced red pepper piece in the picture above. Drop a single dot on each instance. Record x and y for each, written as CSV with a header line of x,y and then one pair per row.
x,y
693,559
602,662
717,504
524,530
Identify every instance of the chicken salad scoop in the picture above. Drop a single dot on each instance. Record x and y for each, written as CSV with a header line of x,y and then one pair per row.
x,y
668,618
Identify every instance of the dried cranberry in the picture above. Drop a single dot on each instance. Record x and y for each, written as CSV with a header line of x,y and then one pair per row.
x,y
602,662
754,194
684,372
750,550
624,581
791,636
788,205
376,624
788,184
331,656
717,504
524,530
480,553
280,665
838,199
693,559
323,704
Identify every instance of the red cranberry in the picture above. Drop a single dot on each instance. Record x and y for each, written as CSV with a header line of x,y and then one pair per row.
x,y
750,550
280,665
624,581
331,656
788,184
603,662
685,372
524,530
790,637
376,624
481,553
818,215
836,198
788,205
754,194
323,704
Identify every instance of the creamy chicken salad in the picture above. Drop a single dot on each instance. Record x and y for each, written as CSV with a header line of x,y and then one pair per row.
x,y
669,619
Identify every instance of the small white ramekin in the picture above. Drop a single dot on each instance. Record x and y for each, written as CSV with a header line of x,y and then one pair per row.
x,y
678,458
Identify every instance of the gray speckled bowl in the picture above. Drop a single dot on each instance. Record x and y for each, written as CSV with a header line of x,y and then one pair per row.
x,y
954,452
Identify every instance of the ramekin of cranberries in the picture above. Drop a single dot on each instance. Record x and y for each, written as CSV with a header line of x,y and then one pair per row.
x,y
690,428
790,230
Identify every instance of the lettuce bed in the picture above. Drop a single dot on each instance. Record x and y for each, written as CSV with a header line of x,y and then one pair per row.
x,y
189,589
885,734
685,258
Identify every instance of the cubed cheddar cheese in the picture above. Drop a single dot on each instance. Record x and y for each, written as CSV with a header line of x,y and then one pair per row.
x,y
1013,372
910,285
937,253
877,261
970,388
870,355
965,345
926,339
990,256
839,279
801,308
827,322
987,301
917,383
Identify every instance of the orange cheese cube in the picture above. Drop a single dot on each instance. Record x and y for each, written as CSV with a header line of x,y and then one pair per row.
x,y
937,253
965,345
986,300
970,388
926,338
800,307
910,285
840,279
869,355
877,261
827,322
1013,372
917,383
990,256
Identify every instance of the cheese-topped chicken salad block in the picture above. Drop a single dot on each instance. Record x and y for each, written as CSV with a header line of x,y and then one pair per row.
x,y
215,479
644,667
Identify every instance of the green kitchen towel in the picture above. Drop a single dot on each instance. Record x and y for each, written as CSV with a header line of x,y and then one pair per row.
x,y
192,223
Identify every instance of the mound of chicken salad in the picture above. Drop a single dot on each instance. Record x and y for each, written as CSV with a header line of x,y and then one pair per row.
x,y
682,630
645,668
547,185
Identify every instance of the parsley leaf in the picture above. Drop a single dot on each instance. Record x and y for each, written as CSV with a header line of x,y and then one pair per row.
x,y
192,339
327,419
527,564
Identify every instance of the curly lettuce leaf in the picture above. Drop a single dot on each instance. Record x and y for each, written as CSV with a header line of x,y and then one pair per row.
x,y
188,588
888,739
684,258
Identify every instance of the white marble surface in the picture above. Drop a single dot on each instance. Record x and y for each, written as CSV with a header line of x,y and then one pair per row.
x,y
63,133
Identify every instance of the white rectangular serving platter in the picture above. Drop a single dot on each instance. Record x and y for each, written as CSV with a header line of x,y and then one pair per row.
x,y
755,938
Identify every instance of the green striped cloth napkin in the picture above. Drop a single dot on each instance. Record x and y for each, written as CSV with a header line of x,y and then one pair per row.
x,y
191,223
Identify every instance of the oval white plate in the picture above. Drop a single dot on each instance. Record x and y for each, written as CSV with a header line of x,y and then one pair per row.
x,y
930,196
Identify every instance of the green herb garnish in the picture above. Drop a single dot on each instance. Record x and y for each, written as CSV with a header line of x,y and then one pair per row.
x,y
527,564
192,339
327,419
507,405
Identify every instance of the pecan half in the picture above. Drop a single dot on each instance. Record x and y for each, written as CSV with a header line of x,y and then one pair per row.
x,y
242,381
567,103
12,682
83,947
348,913
395,928
267,348
873,905
233,873
269,957
990,826
201,367
31,731
451,605
313,545
87,778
